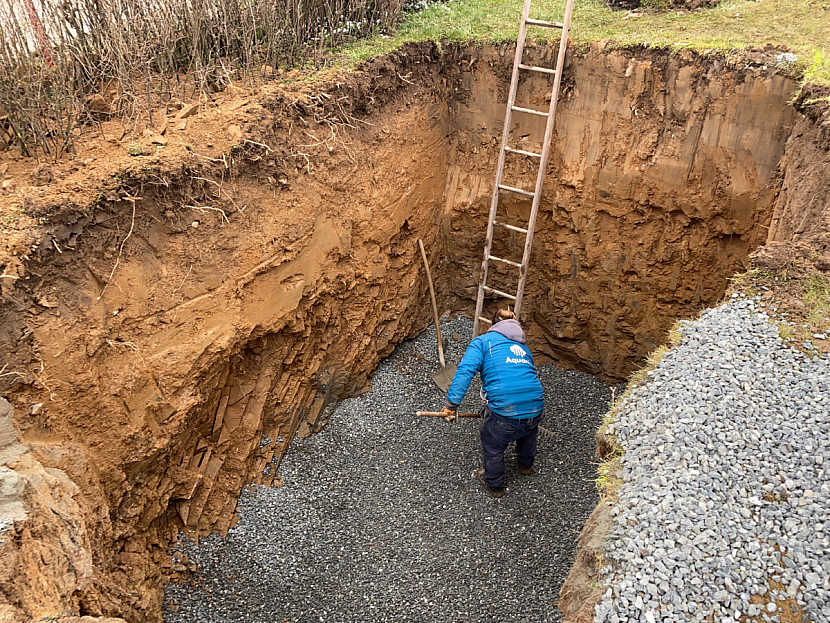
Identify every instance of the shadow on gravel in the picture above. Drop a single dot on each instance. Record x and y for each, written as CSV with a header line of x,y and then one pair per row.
x,y
379,518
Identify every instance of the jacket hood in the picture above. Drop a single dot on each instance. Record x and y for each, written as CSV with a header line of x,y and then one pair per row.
x,y
511,329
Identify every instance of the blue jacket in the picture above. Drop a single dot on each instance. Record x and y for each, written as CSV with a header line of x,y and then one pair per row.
x,y
508,374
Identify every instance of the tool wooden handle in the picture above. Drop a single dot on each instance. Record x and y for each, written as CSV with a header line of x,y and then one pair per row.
x,y
437,320
442,414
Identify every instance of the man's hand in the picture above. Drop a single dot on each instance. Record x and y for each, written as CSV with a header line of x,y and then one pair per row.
x,y
450,415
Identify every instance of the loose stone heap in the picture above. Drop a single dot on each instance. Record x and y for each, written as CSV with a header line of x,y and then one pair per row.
x,y
725,504
379,518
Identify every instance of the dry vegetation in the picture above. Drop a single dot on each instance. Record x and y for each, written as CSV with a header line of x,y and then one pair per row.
x,y
797,300
66,63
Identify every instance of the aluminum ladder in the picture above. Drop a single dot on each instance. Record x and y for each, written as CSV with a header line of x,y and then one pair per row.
x,y
498,187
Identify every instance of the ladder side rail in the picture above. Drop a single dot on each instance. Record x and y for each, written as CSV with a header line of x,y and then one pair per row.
x,y
505,137
540,177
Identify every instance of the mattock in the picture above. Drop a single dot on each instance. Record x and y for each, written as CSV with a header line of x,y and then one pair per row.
x,y
499,186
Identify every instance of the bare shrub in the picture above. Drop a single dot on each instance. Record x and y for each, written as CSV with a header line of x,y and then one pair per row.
x,y
64,63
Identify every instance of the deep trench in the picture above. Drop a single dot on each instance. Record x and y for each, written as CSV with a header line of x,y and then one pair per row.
x,y
662,180
377,517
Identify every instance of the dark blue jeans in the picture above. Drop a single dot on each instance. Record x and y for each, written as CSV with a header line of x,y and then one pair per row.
x,y
497,432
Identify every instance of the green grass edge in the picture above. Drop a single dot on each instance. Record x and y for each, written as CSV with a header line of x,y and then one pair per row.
x,y
726,30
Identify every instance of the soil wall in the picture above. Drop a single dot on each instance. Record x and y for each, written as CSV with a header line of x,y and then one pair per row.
x,y
171,340
167,338
661,181
800,227
798,245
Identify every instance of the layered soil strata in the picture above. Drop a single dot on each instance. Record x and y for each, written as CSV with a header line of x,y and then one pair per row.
x,y
235,286
797,248
800,227
661,181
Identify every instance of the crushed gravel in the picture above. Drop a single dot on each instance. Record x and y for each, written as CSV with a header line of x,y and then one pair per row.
x,y
379,518
724,513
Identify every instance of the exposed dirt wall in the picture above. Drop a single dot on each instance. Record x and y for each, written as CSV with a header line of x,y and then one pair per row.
x,y
799,238
182,348
800,226
166,338
660,184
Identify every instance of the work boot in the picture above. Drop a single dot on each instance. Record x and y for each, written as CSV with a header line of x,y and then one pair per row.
x,y
480,478
525,471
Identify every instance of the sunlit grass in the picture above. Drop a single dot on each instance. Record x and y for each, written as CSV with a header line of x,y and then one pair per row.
x,y
800,25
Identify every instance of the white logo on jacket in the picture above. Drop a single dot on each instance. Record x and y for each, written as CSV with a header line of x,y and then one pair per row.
x,y
520,355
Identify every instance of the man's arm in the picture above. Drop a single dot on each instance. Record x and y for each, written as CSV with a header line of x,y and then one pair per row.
x,y
470,364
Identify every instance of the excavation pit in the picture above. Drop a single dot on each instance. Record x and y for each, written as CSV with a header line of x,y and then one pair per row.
x,y
238,284
378,517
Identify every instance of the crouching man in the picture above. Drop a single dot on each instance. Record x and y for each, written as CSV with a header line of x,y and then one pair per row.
x,y
512,391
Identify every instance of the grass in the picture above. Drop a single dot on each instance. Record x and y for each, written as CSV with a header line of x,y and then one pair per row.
x,y
800,25
801,302
609,479
47,110
785,331
748,281
817,299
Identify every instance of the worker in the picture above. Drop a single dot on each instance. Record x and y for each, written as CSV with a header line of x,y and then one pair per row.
x,y
513,395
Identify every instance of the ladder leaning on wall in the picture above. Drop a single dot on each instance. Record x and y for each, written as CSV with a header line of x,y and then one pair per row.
x,y
518,67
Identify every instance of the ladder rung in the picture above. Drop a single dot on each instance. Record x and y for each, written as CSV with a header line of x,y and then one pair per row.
x,y
543,70
518,191
534,196
529,111
499,259
511,227
523,152
499,292
539,22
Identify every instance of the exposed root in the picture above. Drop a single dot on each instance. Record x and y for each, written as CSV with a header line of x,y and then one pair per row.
x,y
41,379
120,248
204,209
185,279
11,372
268,149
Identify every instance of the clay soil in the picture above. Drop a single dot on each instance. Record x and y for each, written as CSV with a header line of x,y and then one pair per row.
x,y
172,294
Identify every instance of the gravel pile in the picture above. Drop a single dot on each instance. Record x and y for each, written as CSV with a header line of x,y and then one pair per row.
x,y
379,518
725,510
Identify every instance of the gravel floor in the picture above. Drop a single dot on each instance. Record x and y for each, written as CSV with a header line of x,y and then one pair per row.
x,y
379,518
725,508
